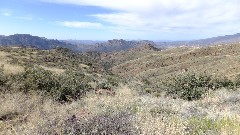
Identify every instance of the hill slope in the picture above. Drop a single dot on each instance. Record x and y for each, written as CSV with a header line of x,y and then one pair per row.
x,y
119,45
159,65
227,39
27,40
28,102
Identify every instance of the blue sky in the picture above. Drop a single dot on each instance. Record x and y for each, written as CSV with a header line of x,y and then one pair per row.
x,y
120,19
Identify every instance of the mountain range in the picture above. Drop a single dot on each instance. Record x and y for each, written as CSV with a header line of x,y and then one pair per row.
x,y
28,40
114,45
227,39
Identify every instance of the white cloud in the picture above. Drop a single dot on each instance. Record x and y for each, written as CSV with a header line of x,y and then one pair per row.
x,y
5,12
76,24
166,15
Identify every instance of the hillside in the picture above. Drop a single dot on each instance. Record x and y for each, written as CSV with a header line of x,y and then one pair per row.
x,y
116,58
59,91
110,46
140,90
116,45
82,45
219,40
157,66
227,39
27,40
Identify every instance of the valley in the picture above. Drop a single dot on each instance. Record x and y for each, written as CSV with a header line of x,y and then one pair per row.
x,y
135,89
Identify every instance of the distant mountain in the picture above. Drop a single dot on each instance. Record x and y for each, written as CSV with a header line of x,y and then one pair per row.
x,y
218,40
116,58
82,42
116,45
82,45
109,46
228,39
28,40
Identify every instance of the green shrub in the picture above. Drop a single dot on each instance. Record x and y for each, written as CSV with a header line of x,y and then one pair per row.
x,y
113,80
104,85
189,86
109,83
222,82
36,78
146,81
73,84
65,87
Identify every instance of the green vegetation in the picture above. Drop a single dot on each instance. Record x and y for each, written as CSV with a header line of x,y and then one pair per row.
x,y
142,91
67,86
210,126
58,73
191,86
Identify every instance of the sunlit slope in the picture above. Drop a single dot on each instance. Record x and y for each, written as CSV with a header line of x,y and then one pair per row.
x,y
157,65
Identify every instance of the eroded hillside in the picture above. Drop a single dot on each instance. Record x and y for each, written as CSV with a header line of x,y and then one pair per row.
x,y
62,92
156,65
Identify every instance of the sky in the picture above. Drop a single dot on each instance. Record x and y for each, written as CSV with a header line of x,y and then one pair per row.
x,y
120,19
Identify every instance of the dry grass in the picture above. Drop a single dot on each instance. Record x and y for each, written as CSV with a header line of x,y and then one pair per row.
x,y
9,68
4,57
123,100
217,113
53,69
33,114
12,69
159,65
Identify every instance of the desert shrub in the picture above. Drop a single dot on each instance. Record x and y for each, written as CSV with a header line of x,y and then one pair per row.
x,y
146,81
113,80
106,65
147,90
110,82
203,125
104,85
36,78
222,82
189,86
64,87
150,89
116,123
73,84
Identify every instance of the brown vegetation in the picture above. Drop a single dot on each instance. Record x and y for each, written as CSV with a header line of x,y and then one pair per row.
x,y
92,101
